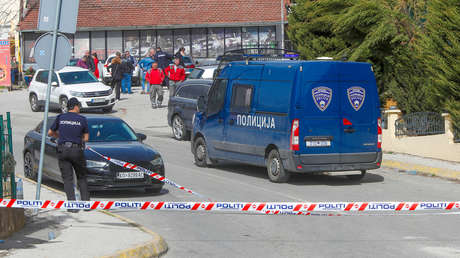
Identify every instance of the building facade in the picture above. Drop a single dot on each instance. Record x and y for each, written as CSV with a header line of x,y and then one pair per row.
x,y
206,28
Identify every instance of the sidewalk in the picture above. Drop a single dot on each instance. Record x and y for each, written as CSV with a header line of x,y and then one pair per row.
x,y
85,234
420,165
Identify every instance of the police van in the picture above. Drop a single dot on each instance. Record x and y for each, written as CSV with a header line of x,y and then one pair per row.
x,y
292,117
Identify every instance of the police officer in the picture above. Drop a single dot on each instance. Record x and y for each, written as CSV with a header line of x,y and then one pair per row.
x,y
71,129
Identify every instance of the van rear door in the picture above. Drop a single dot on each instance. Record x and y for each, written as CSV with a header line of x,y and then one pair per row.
x,y
318,110
360,106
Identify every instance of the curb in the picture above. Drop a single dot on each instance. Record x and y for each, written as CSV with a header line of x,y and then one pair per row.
x,y
155,248
423,170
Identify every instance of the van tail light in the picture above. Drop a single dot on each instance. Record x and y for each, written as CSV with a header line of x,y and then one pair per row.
x,y
295,135
379,133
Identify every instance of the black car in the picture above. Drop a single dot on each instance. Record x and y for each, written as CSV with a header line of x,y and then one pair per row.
x,y
182,106
109,136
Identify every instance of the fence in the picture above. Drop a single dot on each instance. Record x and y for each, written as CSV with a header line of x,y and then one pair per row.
x,y
7,163
420,124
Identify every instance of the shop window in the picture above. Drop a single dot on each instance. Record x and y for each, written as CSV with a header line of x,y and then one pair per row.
x,y
250,37
131,42
98,44
267,37
81,43
182,39
114,43
232,38
148,40
216,44
165,41
199,43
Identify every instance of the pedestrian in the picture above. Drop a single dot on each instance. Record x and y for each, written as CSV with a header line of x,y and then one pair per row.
x,y
82,62
127,66
145,64
180,54
14,70
90,62
96,65
176,74
72,132
155,77
117,74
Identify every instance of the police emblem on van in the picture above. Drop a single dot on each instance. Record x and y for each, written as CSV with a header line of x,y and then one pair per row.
x,y
322,97
356,96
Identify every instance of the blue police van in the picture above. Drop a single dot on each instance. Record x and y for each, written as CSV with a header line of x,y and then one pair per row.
x,y
292,117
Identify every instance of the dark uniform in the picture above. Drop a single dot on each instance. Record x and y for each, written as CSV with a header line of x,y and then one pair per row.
x,y
71,127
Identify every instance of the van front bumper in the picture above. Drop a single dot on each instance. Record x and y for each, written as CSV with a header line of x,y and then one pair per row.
x,y
293,163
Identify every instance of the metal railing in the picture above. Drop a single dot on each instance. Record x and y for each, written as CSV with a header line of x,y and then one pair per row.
x,y
419,124
7,162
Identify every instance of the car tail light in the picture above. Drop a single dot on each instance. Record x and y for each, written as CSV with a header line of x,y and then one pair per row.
x,y
379,133
295,135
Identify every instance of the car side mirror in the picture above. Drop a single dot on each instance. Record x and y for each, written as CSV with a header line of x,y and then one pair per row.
x,y
54,84
201,104
141,136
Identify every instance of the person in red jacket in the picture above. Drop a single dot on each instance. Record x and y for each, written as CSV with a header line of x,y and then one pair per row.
x,y
176,75
155,78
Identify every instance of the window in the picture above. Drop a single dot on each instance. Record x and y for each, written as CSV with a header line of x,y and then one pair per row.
x,y
267,37
241,98
216,42
148,40
131,42
114,43
250,37
199,43
81,42
98,44
182,39
232,38
165,40
216,97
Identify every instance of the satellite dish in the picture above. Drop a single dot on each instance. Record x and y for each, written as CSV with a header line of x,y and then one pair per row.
x,y
44,46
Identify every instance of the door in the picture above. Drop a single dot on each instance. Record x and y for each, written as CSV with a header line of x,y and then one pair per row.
x,y
214,128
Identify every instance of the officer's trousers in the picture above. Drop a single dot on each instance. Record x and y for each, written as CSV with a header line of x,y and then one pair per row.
x,y
69,159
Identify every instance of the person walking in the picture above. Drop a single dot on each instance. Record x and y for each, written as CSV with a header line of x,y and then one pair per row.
x,y
89,62
145,64
155,77
72,132
180,54
117,74
127,66
82,62
96,65
176,74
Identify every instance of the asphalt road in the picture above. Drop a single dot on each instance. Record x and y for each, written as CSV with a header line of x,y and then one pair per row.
x,y
238,235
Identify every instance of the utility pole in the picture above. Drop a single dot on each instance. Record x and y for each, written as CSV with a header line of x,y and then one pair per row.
x,y
282,24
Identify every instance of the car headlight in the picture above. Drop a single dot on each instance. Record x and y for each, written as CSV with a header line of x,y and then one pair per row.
x,y
96,164
158,161
77,94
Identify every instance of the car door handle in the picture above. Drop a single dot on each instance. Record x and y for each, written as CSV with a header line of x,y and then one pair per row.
x,y
349,130
231,121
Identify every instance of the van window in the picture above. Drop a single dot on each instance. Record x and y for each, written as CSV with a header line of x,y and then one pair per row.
x,y
216,97
241,98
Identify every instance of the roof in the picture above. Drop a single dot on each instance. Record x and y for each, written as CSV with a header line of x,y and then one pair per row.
x,y
104,14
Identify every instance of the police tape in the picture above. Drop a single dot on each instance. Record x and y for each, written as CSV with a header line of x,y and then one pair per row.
x,y
269,208
145,171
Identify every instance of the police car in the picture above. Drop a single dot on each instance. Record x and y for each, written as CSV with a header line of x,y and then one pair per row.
x,y
291,116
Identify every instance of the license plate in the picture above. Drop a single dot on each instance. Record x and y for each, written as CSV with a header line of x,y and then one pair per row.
x,y
130,175
98,100
322,143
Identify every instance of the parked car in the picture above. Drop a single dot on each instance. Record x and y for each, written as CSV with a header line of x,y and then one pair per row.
x,y
107,76
67,83
182,106
203,72
109,136
291,116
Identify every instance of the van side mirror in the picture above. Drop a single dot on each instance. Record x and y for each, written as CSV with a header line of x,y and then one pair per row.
x,y
201,104
54,84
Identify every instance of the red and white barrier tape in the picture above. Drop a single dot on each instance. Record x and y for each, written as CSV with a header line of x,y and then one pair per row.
x,y
145,171
277,208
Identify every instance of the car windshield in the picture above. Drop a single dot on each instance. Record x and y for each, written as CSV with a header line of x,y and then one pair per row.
x,y
195,73
77,77
110,131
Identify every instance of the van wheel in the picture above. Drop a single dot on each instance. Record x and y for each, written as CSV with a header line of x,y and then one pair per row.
x,y
357,177
275,168
63,105
34,103
200,153
178,128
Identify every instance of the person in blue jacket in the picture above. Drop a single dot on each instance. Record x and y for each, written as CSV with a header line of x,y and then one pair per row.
x,y
145,64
